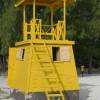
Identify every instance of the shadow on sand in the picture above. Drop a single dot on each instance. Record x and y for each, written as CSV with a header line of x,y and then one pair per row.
x,y
83,94
84,91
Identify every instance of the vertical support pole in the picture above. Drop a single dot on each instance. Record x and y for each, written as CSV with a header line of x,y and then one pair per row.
x,y
40,29
34,9
33,23
51,16
52,22
64,37
24,24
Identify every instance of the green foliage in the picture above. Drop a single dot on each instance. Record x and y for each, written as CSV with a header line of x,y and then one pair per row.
x,y
7,27
85,22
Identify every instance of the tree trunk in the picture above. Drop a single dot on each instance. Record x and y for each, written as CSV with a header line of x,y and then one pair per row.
x,y
90,65
3,64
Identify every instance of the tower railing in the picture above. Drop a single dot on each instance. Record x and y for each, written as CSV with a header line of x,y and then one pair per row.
x,y
35,30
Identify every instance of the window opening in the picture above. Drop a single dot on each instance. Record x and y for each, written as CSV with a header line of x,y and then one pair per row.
x,y
29,13
56,53
20,54
61,53
23,53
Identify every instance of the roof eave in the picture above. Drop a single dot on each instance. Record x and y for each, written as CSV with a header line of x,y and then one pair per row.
x,y
22,1
19,3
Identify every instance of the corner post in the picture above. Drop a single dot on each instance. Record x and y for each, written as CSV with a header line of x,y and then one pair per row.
x,y
33,22
52,21
34,9
24,24
64,37
51,16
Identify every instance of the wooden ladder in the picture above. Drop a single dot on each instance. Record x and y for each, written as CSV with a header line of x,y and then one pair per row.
x,y
50,72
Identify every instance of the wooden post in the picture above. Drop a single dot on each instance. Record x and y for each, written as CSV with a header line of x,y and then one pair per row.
x,y
34,9
64,37
24,21
33,22
51,16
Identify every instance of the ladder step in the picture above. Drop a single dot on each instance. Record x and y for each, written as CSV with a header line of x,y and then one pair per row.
x,y
47,72
55,95
52,81
43,58
40,50
42,53
57,86
47,65
50,77
47,68
44,61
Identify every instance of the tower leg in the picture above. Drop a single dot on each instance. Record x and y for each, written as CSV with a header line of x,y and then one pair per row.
x,y
68,95
38,96
71,95
17,95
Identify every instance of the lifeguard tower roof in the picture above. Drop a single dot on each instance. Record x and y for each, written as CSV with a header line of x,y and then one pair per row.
x,y
51,3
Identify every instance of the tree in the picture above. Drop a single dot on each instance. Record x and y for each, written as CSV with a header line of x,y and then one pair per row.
x,y
8,34
85,21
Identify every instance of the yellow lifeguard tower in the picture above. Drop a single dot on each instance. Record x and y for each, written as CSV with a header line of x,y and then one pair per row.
x,y
44,61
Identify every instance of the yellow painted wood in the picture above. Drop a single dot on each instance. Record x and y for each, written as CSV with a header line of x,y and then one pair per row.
x,y
32,67
66,69
11,68
64,36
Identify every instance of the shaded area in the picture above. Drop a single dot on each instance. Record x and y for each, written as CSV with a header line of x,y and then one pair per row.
x,y
85,91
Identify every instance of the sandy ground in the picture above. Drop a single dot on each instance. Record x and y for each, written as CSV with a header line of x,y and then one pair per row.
x,y
90,88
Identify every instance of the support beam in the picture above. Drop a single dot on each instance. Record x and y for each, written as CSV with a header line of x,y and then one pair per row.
x,y
24,21
51,16
24,15
33,22
34,9
64,20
